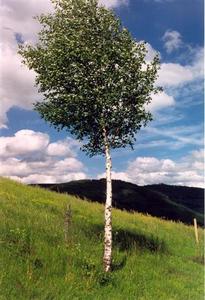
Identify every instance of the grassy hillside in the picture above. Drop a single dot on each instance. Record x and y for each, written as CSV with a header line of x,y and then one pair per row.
x,y
44,257
157,200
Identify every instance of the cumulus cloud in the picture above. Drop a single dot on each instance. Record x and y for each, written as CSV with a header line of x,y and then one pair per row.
x,y
17,83
176,76
61,148
197,65
113,3
160,101
151,170
173,74
172,40
151,53
30,157
17,16
23,142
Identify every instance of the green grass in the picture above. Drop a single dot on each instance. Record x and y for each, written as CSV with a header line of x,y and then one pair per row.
x,y
152,258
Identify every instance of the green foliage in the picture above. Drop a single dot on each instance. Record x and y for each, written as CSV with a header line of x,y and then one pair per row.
x,y
153,259
92,73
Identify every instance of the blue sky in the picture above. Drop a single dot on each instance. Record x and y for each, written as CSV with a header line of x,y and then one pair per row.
x,y
169,150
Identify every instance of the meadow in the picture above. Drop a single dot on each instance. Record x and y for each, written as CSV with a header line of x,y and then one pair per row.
x,y
51,247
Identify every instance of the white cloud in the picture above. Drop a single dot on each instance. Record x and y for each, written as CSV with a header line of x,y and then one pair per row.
x,y
171,74
151,170
18,16
160,101
36,178
66,147
23,142
16,81
116,175
172,138
197,65
113,3
172,40
29,156
151,52
59,148
163,1
177,75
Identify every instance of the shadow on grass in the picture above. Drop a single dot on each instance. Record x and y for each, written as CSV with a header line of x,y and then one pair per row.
x,y
120,264
199,259
126,240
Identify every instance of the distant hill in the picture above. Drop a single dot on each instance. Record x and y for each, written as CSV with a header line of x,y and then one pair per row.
x,y
170,202
190,197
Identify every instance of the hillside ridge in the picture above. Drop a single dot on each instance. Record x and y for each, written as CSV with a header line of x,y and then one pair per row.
x,y
176,203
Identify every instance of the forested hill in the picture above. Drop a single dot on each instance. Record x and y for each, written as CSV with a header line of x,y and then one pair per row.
x,y
188,196
176,203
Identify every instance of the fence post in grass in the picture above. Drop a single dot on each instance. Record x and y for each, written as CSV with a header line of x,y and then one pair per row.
x,y
67,222
196,231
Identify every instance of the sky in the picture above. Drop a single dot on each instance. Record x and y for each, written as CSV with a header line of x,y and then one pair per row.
x,y
169,150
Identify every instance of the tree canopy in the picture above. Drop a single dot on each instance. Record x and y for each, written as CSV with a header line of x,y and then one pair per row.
x,y
92,73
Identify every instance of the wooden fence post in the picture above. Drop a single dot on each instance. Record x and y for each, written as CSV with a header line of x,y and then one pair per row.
x,y
67,223
196,231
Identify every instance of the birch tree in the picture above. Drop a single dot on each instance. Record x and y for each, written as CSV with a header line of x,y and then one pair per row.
x,y
95,82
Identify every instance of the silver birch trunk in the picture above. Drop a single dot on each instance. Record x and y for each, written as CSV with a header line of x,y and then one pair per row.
x,y
107,258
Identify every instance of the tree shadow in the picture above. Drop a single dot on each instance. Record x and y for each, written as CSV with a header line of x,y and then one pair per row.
x,y
119,264
127,240
199,259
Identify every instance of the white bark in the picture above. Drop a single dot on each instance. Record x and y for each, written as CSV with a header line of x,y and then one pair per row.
x,y
107,258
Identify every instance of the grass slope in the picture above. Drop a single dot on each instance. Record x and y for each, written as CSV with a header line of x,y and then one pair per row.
x,y
156,200
152,258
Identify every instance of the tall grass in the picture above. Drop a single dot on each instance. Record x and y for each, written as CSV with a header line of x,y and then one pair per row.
x,y
48,253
